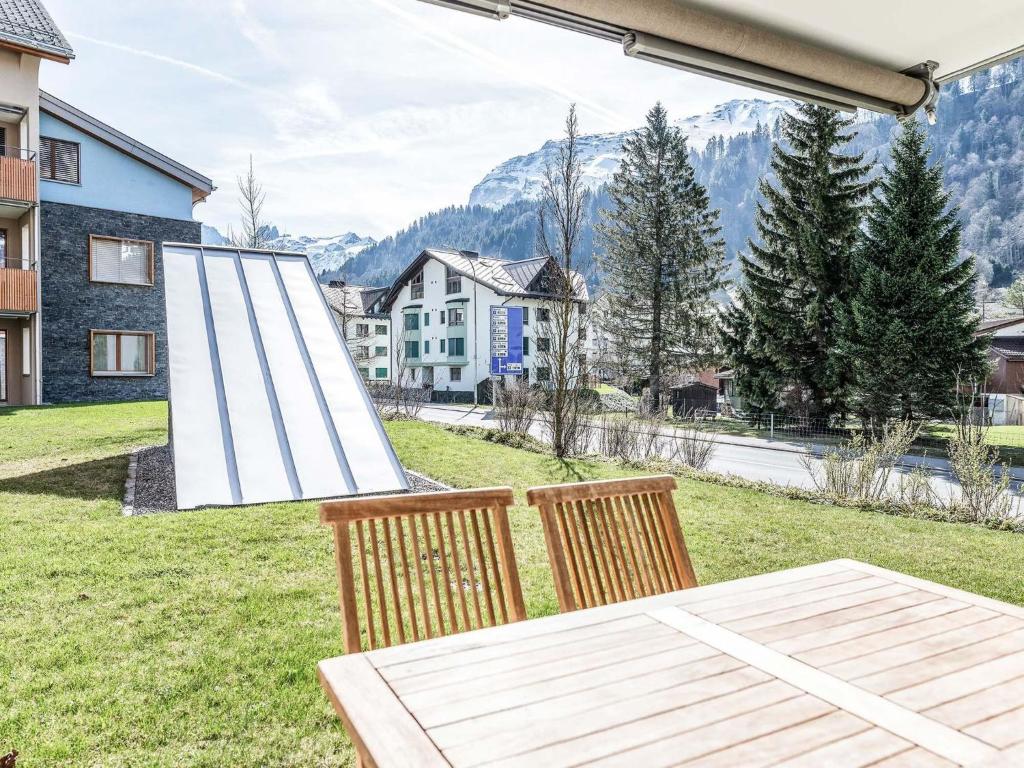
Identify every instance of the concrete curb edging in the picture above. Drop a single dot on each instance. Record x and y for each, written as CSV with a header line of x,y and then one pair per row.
x,y
128,503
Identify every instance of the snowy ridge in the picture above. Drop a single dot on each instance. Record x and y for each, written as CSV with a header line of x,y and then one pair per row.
x,y
325,253
521,176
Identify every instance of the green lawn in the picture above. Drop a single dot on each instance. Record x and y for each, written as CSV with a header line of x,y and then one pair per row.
x,y
191,639
1011,436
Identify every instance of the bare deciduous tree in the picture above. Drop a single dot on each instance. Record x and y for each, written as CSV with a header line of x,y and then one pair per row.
x,y
408,395
563,198
251,198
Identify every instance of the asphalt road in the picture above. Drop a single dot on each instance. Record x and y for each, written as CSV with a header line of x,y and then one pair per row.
x,y
774,461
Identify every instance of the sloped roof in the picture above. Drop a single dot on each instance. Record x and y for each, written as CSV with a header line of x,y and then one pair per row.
x,y
505,277
351,300
51,105
1012,348
993,326
266,402
26,25
524,272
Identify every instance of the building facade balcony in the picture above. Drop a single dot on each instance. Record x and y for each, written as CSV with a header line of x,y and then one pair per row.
x,y
19,185
18,292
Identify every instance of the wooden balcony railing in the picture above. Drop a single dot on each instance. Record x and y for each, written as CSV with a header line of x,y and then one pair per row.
x,y
18,290
18,176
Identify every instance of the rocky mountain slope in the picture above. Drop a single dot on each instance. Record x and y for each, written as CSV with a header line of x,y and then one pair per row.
x,y
520,178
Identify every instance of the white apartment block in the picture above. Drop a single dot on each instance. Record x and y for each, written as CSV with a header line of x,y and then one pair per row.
x,y
366,328
440,318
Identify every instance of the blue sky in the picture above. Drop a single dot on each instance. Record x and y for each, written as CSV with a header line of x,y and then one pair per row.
x,y
360,114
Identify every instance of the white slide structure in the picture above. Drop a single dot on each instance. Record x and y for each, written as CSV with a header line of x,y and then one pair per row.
x,y
266,403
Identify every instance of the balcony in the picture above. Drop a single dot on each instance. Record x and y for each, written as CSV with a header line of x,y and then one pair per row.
x,y
18,179
17,288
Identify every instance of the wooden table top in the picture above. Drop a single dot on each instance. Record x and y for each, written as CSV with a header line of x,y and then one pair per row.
x,y
837,664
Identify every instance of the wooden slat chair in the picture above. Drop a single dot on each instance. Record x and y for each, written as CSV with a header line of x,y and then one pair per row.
x,y
429,564
613,540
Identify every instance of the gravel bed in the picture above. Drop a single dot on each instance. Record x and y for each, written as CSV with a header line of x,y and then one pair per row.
x,y
149,487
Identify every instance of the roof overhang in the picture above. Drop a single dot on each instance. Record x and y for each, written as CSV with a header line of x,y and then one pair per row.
x,y
201,186
40,51
883,56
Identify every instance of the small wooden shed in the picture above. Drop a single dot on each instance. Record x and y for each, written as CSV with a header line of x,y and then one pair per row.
x,y
695,396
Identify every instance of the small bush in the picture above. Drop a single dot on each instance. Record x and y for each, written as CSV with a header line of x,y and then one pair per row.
x,y
860,469
983,492
516,405
694,448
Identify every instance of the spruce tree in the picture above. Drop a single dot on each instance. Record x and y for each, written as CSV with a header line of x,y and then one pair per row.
x,y
910,325
759,384
799,275
663,255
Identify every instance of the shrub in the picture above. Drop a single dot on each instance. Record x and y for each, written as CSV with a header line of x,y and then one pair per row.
x,y
983,492
516,405
694,448
860,469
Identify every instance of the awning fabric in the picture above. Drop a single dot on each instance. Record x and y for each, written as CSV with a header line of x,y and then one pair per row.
x,y
884,56
681,24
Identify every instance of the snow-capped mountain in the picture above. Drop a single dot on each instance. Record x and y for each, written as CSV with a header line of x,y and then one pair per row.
x,y
521,176
325,253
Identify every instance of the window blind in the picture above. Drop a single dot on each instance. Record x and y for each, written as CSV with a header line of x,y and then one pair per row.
x,y
120,261
59,160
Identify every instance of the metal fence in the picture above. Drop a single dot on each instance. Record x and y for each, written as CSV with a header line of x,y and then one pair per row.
x,y
934,435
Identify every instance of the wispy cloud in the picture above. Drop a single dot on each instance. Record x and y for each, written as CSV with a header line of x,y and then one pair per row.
x,y
514,71
257,33
180,63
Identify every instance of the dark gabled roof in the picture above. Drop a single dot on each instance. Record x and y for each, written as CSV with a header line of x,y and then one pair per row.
x,y
372,296
525,272
1010,347
352,300
991,326
51,105
27,26
503,276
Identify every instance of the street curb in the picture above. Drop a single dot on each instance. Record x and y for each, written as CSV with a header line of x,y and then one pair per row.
x,y
815,449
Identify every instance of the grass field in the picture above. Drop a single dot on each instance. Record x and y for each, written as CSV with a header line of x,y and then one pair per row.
x,y
191,639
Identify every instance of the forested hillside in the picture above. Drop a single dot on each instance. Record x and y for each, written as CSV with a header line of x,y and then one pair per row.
x,y
979,137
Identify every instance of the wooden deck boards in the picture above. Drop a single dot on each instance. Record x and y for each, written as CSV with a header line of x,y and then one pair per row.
x,y
840,664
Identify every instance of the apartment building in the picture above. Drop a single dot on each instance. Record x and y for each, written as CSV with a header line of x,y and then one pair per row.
x,y
440,308
83,212
365,326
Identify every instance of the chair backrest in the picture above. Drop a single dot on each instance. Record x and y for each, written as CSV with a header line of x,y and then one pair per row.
x,y
429,564
613,540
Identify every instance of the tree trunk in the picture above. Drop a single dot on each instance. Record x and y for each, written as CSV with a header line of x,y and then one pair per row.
x,y
656,341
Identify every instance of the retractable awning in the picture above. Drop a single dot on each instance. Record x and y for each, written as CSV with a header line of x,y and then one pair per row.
x,y
884,56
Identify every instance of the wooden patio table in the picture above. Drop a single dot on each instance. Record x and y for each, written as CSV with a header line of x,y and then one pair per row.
x,y
836,664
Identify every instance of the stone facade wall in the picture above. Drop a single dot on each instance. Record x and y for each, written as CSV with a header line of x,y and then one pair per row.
x,y
72,305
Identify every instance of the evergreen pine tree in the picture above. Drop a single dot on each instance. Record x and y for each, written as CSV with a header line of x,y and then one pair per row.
x,y
799,276
759,384
663,256
911,320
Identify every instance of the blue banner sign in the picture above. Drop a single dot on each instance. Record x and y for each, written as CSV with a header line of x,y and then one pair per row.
x,y
506,341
